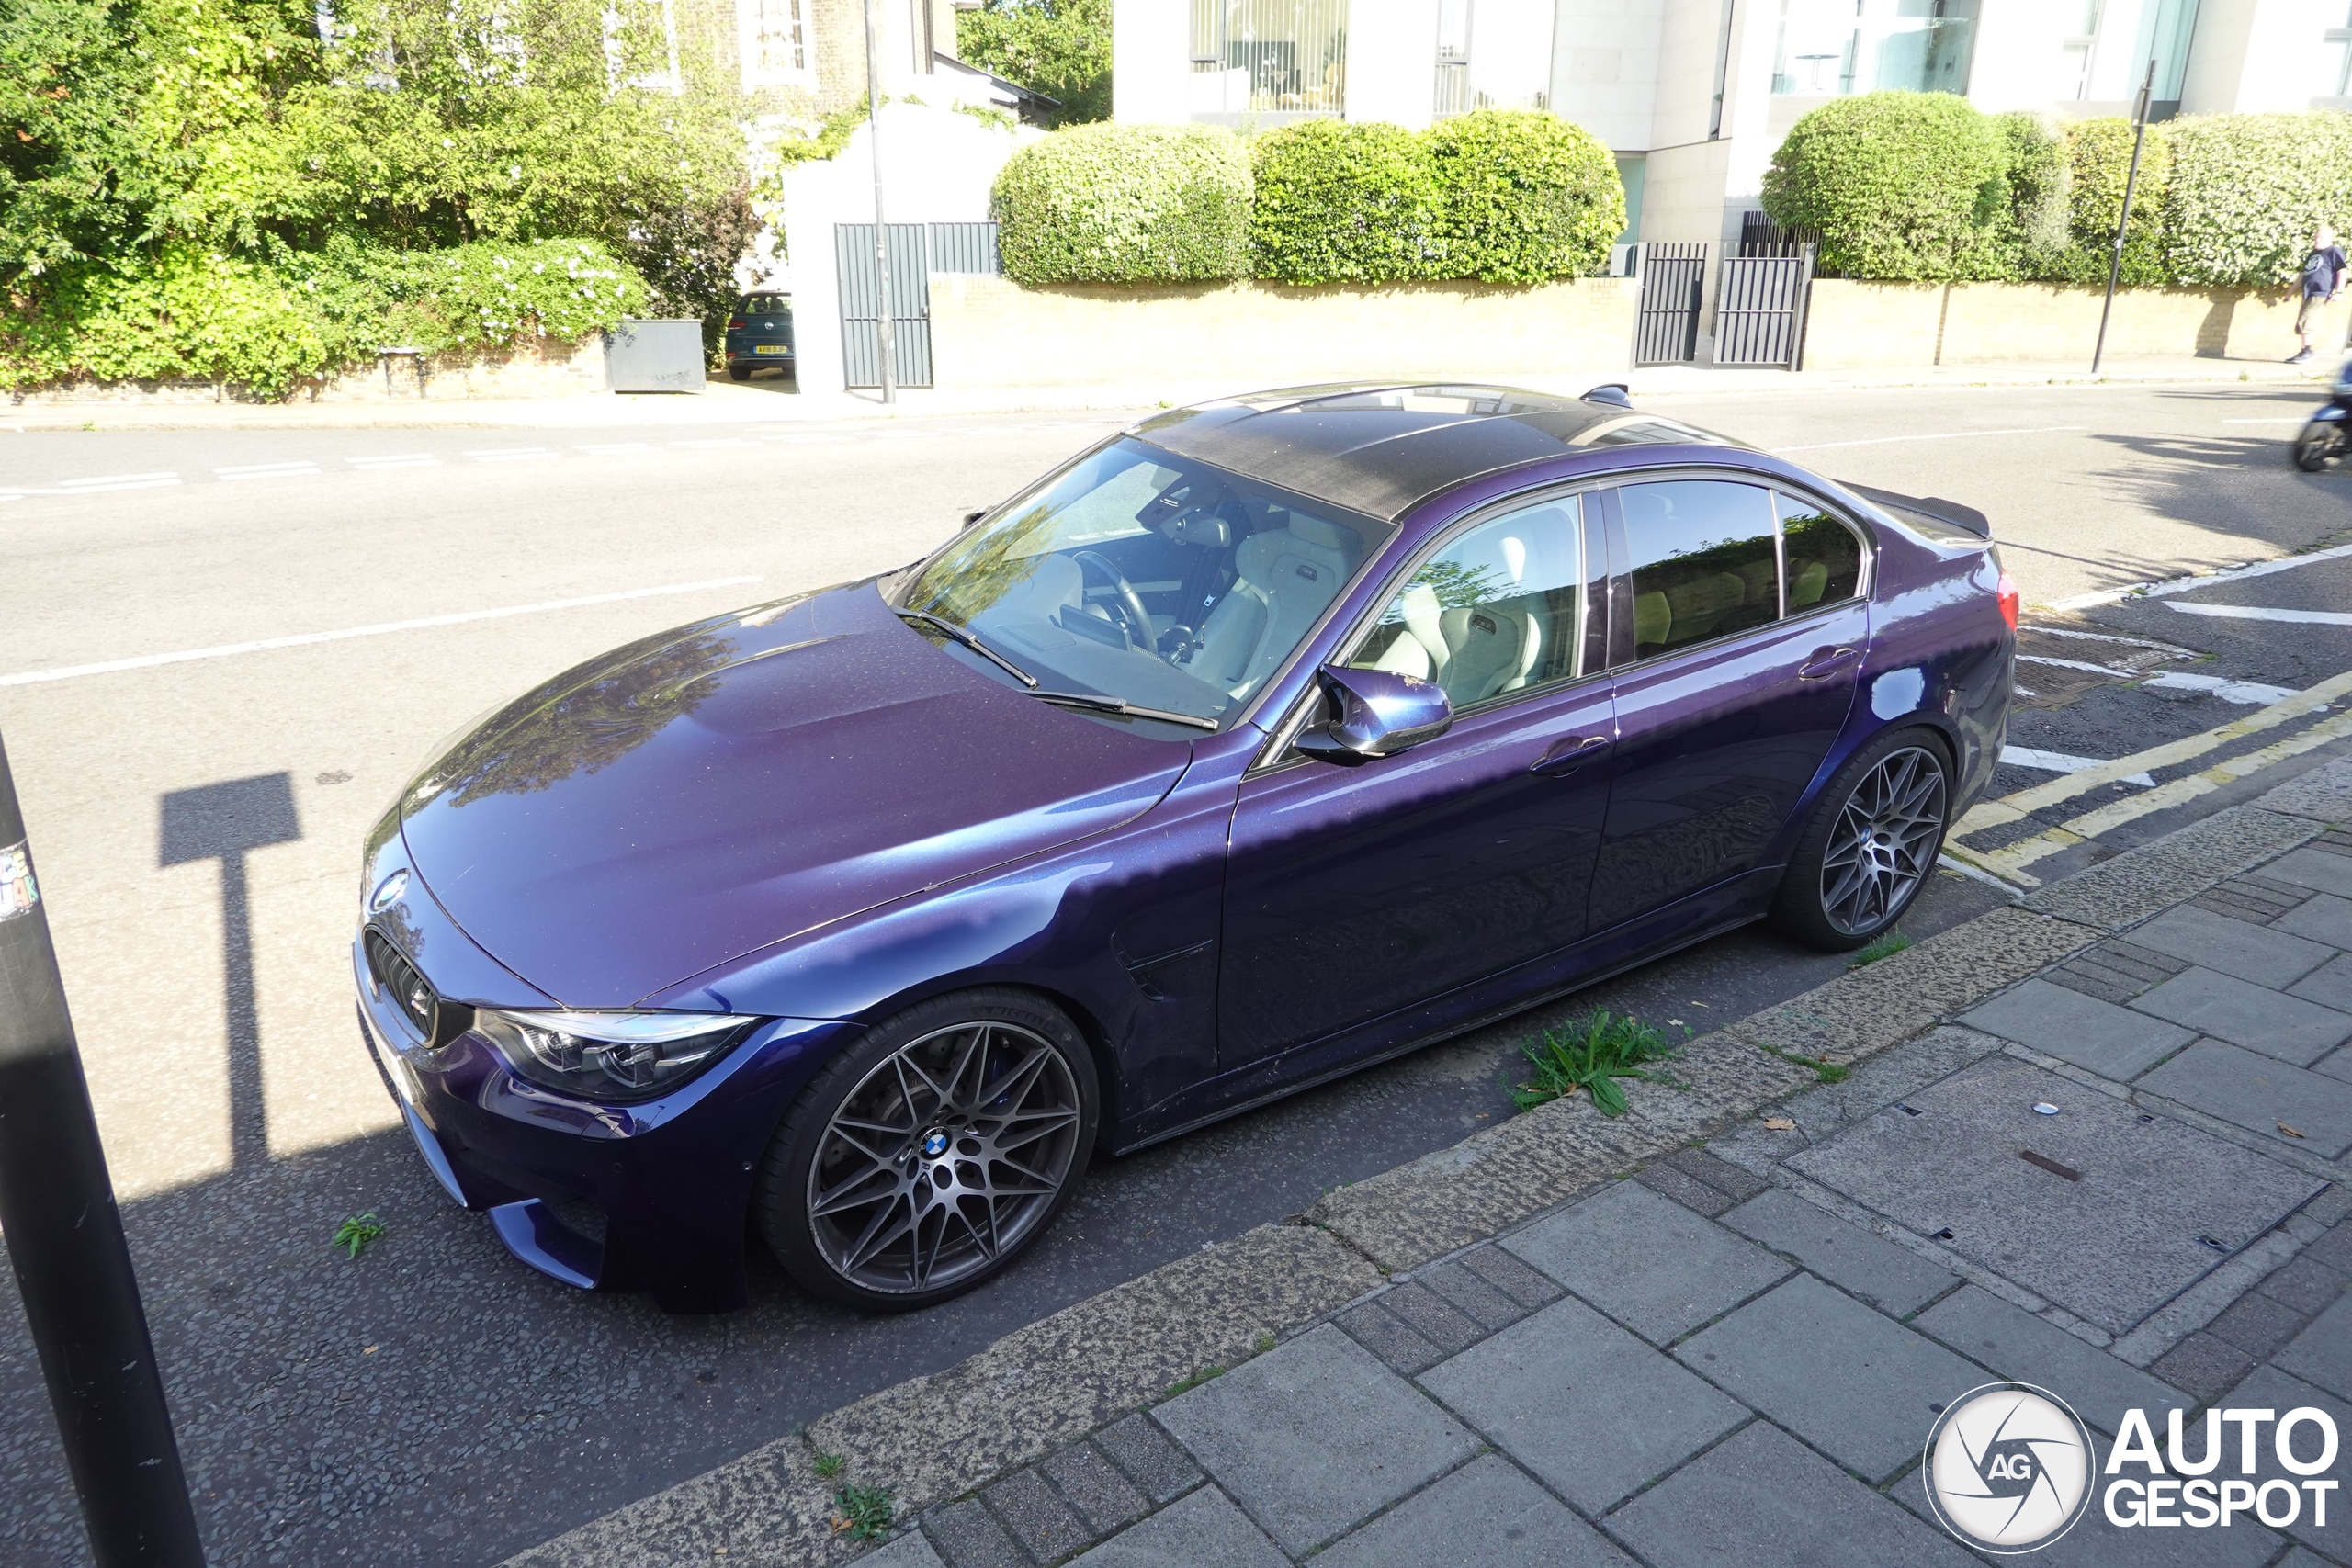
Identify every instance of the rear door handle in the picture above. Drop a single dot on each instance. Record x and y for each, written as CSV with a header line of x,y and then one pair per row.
x,y
1825,661
1570,754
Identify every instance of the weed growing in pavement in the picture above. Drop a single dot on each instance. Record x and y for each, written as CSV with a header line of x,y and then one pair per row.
x,y
1187,1384
1263,1343
354,1234
1822,1072
829,1466
1885,946
1592,1055
862,1513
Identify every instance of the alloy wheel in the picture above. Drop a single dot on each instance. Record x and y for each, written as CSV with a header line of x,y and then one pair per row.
x,y
943,1158
1884,842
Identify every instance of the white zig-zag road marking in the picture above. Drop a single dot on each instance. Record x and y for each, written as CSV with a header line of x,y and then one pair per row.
x,y
2163,587
2063,762
2256,613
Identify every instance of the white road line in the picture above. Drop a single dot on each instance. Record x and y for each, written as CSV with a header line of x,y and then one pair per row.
x,y
98,486
615,448
2284,419
227,651
2257,613
398,460
2108,637
1938,436
265,471
2061,763
512,453
715,443
2164,588
2075,664
2247,693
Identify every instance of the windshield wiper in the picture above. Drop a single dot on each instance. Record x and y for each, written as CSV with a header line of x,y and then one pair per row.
x,y
965,636
1113,705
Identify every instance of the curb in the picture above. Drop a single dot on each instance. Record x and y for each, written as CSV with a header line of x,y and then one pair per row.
x,y
933,1439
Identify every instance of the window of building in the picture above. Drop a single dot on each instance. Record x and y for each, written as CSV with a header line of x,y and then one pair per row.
x,y
2339,47
1833,48
1260,57
1493,54
774,35
2108,52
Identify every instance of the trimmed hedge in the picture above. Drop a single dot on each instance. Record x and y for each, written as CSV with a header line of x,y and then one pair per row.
x,y
1343,202
1526,196
1899,185
2247,189
2099,164
1126,204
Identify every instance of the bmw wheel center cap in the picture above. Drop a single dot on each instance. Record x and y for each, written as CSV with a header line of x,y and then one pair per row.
x,y
935,1144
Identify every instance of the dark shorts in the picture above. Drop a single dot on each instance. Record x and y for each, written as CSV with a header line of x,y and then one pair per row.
x,y
2303,313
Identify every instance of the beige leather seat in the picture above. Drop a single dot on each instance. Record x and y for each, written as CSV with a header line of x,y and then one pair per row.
x,y
1492,642
1286,579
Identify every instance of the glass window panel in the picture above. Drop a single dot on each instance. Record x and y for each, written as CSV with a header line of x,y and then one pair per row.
x,y
1838,47
1825,558
1269,56
1496,610
1704,561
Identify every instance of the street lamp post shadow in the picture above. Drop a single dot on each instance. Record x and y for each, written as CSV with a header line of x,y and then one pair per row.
x,y
223,822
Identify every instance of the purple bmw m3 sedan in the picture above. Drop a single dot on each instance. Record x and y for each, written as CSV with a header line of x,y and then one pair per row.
x,y
1271,738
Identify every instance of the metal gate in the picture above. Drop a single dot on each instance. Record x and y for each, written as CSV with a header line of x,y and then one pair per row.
x,y
917,250
1760,307
861,285
1674,277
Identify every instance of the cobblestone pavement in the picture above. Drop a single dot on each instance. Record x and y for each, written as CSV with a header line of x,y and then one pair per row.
x,y
2122,1180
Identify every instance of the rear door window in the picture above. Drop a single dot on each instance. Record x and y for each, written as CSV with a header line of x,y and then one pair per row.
x,y
1704,557
1824,556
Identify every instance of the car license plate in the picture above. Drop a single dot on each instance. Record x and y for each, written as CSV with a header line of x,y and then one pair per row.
x,y
770,348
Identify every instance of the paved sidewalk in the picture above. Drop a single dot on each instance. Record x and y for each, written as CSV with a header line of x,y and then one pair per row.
x,y
1736,1355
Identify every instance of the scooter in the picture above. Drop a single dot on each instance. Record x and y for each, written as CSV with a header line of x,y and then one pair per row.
x,y
2328,437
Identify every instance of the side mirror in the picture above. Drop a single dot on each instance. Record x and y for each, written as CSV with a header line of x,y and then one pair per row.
x,y
1380,714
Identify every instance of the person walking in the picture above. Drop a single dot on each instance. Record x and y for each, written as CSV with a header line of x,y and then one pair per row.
x,y
2323,275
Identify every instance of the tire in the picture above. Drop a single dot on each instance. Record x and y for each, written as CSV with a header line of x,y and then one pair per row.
x,y
738,372
2320,447
905,1144
1870,845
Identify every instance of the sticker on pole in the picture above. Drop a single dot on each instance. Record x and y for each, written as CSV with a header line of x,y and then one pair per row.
x,y
19,892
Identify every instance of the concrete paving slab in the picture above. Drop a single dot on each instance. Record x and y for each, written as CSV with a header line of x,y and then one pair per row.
x,y
2022,1347
2111,1247
1147,1457
1316,1437
2275,957
2257,1093
2330,985
1204,1530
1761,1499
1853,1383
2325,793
2322,1354
1512,1522
2335,1065
2100,1037
2246,1014
1646,1261
2153,876
1105,1498
2318,870
2268,1388
968,1535
909,1550
2095,1543
1889,1277
2326,919
1583,1403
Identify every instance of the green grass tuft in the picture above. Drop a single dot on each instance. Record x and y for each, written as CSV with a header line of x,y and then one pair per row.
x,y
1885,946
829,1466
1822,1072
1590,1056
1186,1385
862,1513
354,1234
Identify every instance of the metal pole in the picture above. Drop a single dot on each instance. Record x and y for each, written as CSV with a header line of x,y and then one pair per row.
x,y
65,1242
881,234
2131,183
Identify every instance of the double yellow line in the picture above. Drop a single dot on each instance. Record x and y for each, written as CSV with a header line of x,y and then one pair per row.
x,y
2010,862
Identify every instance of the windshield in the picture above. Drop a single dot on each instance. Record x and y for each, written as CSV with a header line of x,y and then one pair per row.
x,y
1147,577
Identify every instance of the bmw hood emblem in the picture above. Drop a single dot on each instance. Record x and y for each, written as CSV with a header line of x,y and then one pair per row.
x,y
934,1144
387,892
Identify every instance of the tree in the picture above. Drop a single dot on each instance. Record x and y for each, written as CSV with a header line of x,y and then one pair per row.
x,y
1060,48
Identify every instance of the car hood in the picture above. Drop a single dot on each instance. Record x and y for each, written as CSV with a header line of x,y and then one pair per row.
x,y
689,798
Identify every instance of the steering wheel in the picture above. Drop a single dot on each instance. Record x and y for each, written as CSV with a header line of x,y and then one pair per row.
x,y
1128,606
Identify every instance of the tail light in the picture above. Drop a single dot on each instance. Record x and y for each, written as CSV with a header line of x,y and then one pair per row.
x,y
736,325
2007,593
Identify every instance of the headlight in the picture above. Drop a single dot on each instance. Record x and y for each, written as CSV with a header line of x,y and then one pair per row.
x,y
610,1055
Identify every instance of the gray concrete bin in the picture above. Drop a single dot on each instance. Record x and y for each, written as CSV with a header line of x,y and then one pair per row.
x,y
654,356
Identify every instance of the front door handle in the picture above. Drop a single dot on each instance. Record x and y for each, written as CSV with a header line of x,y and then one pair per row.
x,y
1825,661
1570,754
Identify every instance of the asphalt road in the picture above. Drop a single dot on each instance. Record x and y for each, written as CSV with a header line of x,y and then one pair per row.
x,y
196,820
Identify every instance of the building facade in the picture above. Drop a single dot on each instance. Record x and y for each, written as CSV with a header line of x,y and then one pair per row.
x,y
1694,96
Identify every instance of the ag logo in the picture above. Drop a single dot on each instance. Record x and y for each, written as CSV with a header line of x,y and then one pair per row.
x,y
2008,1468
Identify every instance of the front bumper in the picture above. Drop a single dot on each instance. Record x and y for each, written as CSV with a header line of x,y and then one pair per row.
x,y
648,1196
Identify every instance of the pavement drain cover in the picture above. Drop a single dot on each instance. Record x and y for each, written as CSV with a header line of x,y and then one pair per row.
x,y
2107,1211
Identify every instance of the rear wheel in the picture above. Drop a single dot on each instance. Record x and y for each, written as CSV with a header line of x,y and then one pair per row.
x,y
2320,446
738,372
926,1160
1870,845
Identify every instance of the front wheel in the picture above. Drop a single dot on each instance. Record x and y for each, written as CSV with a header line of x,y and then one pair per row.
x,y
926,1158
2320,446
1870,845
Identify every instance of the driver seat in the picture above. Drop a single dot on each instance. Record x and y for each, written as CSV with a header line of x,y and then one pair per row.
x,y
1285,579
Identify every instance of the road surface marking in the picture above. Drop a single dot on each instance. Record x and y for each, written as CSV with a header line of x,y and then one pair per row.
x,y
398,460
2166,586
712,444
615,448
2274,419
2073,665
2245,694
2107,636
96,486
1938,436
265,471
2254,613
2064,762
512,453
304,639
